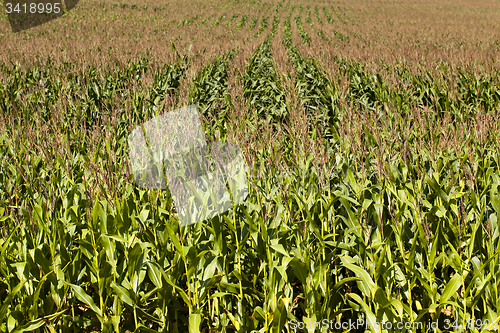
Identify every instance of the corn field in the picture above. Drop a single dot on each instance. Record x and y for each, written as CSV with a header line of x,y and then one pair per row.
x,y
372,155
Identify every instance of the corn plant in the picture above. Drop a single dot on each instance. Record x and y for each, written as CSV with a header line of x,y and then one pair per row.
x,y
328,15
242,22
210,93
262,88
304,36
317,14
253,23
263,25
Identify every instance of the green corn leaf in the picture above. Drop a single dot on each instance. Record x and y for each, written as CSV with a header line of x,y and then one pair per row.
x,y
10,297
371,318
84,297
365,283
123,293
31,326
194,323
